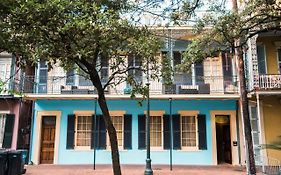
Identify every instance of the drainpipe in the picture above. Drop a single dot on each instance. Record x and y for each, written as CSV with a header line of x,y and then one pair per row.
x,y
238,133
95,122
171,136
31,132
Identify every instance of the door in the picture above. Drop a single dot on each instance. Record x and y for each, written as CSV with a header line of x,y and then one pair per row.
x,y
223,139
48,139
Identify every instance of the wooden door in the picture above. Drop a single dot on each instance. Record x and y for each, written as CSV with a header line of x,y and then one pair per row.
x,y
48,139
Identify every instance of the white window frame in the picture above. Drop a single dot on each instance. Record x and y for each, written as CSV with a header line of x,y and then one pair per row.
x,y
195,114
77,114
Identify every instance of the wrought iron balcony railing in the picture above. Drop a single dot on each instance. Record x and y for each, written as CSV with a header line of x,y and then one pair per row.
x,y
79,85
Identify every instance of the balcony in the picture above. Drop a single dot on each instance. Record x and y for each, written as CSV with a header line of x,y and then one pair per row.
x,y
269,82
183,85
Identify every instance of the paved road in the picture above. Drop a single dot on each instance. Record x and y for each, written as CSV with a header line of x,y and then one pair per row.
x,y
133,170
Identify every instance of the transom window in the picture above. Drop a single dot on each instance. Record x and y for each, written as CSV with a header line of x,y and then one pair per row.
x,y
188,131
84,127
156,131
118,124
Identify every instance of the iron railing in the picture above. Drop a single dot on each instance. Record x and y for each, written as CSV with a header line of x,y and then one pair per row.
x,y
79,85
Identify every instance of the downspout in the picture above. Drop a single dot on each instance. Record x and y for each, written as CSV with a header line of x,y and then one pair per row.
x,y
238,133
31,132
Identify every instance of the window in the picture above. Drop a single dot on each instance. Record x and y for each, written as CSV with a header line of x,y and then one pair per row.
x,y
134,61
118,124
70,77
43,75
188,131
156,131
83,131
2,128
104,70
261,58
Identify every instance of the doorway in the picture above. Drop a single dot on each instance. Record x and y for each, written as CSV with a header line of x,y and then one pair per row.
x,y
223,139
48,139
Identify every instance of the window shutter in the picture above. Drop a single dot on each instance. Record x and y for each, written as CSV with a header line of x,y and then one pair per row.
x,y
127,131
141,125
101,142
8,133
202,131
166,129
70,131
93,133
177,131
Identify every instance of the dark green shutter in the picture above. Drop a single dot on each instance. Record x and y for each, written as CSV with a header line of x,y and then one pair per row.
x,y
141,125
166,129
202,131
8,132
101,134
177,132
127,131
70,131
93,133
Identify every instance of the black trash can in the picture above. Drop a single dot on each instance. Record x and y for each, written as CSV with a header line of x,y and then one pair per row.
x,y
24,159
14,163
3,162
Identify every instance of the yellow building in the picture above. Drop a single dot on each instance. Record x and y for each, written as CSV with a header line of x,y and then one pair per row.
x,y
263,65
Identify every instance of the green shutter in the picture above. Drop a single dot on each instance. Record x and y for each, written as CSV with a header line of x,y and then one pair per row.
x,y
202,131
70,131
127,131
8,133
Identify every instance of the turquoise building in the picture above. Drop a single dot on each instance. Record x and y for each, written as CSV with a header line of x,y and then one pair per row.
x,y
68,128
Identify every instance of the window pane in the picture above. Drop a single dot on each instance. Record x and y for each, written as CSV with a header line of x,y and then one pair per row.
x,y
188,128
43,75
118,124
177,58
155,131
84,126
70,77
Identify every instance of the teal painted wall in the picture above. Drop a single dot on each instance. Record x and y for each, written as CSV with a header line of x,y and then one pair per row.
x,y
134,156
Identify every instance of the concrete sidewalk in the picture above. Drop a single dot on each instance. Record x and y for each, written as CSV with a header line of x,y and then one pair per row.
x,y
133,170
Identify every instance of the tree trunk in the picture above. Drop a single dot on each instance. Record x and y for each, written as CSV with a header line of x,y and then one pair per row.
x,y
109,126
245,112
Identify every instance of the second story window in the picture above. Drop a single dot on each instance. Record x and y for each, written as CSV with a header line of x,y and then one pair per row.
x,y
43,76
134,61
261,58
70,77
104,70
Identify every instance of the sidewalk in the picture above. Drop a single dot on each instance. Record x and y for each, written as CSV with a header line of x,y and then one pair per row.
x,y
133,170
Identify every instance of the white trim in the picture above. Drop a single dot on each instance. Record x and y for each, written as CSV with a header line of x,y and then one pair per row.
x,y
38,137
233,134
4,112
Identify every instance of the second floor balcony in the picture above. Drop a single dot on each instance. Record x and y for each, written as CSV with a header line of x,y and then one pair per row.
x,y
79,85
268,82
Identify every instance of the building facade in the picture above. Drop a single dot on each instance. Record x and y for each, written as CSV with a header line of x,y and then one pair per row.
x,y
201,104
15,112
264,84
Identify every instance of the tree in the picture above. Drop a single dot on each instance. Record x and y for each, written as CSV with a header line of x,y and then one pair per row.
x,y
81,33
227,30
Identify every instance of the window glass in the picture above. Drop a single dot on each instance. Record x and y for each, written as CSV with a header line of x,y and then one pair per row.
x,y
118,124
261,59
156,131
84,127
188,129
70,77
